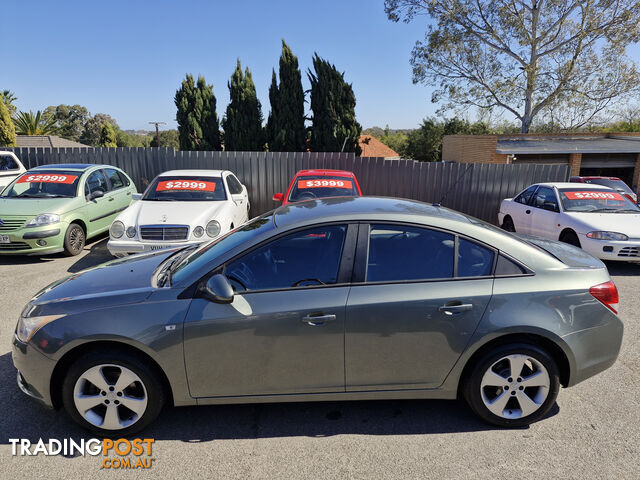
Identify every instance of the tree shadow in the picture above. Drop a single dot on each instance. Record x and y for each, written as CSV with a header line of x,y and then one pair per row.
x,y
32,421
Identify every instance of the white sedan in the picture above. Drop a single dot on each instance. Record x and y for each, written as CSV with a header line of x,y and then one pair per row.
x,y
178,208
596,218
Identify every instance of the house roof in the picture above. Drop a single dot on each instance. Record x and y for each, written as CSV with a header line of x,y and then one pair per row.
x,y
372,147
46,141
595,144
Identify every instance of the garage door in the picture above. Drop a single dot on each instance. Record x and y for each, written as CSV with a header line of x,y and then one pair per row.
x,y
609,160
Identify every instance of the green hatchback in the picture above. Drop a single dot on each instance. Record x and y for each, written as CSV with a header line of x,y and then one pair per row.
x,y
55,208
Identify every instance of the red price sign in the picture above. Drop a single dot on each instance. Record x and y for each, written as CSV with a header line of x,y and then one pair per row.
x,y
47,178
593,195
195,185
325,184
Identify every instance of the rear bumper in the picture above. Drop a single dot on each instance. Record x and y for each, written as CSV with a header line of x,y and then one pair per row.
x,y
34,371
594,349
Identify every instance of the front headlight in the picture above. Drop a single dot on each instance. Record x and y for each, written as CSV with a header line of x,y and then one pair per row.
x,y
607,236
27,326
43,219
117,229
213,228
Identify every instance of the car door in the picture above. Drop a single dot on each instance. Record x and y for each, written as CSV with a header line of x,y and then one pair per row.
x,y
521,210
119,191
98,208
412,308
545,214
239,199
284,331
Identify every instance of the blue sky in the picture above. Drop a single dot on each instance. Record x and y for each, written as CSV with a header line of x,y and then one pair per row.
x,y
127,58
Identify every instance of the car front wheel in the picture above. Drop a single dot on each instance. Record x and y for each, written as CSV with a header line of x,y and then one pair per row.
x,y
74,240
112,394
513,385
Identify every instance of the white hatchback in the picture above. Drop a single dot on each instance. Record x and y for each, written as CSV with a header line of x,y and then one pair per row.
x,y
596,218
178,208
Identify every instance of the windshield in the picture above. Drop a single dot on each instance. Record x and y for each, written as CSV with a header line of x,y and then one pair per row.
x,y
591,200
609,182
208,252
44,184
182,188
321,186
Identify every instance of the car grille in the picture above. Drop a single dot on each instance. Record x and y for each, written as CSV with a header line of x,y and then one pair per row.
x,y
164,232
14,246
11,223
629,252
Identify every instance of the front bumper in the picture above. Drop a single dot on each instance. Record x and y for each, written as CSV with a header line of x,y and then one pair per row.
x,y
621,251
43,240
119,247
34,371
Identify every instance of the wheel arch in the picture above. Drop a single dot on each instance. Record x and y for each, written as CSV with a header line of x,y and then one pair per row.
x,y
548,345
81,223
61,368
567,230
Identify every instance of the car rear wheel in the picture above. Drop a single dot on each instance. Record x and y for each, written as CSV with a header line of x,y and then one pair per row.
x,y
513,385
74,240
112,393
507,224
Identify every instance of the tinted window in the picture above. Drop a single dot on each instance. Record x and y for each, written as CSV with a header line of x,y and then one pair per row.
x,y
504,266
7,163
114,178
309,257
96,181
587,199
611,183
235,187
526,195
124,179
545,197
399,253
474,260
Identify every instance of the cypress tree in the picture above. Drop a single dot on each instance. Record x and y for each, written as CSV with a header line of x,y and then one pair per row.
x,y
274,99
107,136
243,120
288,132
7,128
333,104
196,115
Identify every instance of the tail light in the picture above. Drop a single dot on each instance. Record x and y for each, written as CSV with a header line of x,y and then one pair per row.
x,y
607,293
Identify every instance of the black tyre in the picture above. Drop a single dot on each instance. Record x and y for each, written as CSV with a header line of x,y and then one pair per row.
x,y
507,224
512,385
571,238
74,240
112,393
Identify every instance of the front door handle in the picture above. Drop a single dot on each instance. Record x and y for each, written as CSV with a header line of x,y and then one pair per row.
x,y
111,199
455,308
317,319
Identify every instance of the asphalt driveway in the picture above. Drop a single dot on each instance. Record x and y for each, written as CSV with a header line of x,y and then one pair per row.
x,y
592,433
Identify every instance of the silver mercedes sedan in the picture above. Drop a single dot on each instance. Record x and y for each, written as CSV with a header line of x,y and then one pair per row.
x,y
332,299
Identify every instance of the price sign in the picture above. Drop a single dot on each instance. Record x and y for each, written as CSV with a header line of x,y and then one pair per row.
x,y
193,185
347,184
47,178
593,195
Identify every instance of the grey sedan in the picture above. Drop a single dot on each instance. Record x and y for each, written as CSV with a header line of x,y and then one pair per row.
x,y
334,299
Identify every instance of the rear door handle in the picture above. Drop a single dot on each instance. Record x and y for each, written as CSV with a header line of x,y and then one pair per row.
x,y
317,319
455,308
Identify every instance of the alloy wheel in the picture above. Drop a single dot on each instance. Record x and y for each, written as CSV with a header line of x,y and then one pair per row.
x,y
110,396
76,239
515,386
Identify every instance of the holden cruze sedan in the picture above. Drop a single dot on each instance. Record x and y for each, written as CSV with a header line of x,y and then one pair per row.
x,y
55,208
333,299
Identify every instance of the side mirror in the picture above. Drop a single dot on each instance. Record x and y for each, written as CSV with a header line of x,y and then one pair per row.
x,y
278,197
218,289
96,194
552,207
136,196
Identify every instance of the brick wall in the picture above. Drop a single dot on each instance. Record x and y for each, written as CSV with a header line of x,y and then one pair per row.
x,y
471,149
575,159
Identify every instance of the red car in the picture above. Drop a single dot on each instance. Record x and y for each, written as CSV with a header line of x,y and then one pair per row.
x,y
310,184
611,182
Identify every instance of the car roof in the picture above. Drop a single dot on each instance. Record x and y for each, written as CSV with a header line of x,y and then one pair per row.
x,y
193,172
70,166
595,177
355,208
324,171
571,185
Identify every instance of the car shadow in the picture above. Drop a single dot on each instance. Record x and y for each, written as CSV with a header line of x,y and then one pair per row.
x,y
32,421
623,269
98,254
